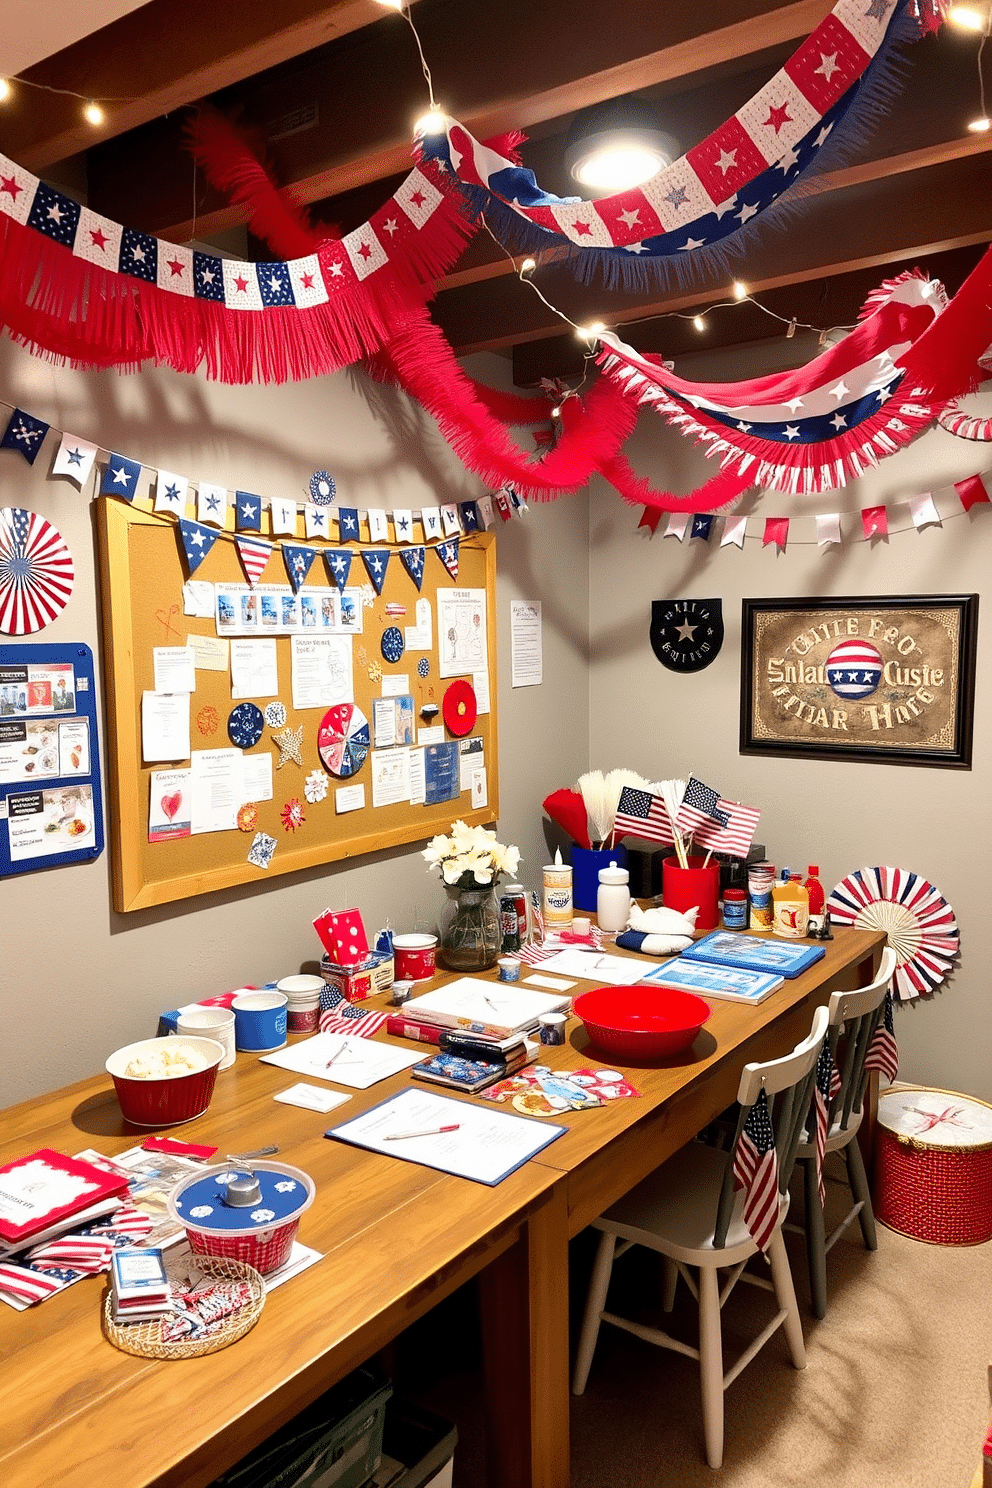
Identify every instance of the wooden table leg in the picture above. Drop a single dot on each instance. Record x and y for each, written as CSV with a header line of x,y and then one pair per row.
x,y
524,1307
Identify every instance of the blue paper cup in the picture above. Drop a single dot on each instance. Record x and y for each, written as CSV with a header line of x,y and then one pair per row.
x,y
260,1021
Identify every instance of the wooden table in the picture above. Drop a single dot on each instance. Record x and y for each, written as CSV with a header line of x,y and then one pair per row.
x,y
396,1239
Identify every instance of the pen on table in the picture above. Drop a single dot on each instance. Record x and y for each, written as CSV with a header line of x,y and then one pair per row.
x,y
340,1050
428,1131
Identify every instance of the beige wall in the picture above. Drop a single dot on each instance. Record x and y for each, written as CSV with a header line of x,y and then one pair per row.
x,y
842,816
78,980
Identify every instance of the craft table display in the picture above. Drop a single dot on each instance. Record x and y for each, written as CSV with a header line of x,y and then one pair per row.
x,y
395,1238
315,751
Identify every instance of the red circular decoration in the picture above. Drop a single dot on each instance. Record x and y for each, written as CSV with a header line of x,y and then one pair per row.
x,y
343,739
459,708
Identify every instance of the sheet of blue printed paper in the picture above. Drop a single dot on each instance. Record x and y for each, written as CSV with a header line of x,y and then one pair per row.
x,y
441,768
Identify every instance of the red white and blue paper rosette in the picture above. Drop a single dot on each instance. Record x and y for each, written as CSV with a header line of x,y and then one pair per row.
x,y
916,917
36,572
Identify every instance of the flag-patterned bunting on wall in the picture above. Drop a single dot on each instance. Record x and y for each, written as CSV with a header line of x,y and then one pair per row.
x,y
299,561
120,478
197,542
247,511
702,526
75,459
254,555
348,523
413,562
170,492
316,520
469,516
24,434
376,562
211,504
448,554
338,562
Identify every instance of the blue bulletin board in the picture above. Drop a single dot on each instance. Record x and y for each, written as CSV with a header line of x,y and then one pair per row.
x,y
51,806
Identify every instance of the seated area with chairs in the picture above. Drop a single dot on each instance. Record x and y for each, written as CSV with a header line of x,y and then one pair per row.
x,y
707,1210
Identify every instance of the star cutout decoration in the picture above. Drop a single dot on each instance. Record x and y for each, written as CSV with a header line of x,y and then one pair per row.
x,y
418,198
839,389
726,206
744,427
121,477
10,186
788,160
727,161
583,229
172,493
74,456
289,743
828,65
677,197
839,421
822,136
99,238
213,503
747,212
686,631
176,266
337,269
793,404
392,226
55,213
691,243
630,218
876,10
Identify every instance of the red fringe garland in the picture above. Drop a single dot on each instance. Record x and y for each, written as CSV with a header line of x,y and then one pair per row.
x,y
229,164
943,362
593,429
718,491
70,310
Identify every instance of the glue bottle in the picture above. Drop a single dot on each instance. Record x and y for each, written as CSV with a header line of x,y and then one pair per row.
x,y
790,907
613,899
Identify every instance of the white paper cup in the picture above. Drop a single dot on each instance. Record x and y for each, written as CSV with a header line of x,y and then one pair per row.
x,y
209,1022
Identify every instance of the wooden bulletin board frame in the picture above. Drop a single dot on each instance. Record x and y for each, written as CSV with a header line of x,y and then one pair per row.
x,y
142,577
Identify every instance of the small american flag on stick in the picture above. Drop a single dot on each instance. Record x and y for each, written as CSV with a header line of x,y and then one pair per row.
x,y
883,1051
700,807
756,1172
640,814
736,836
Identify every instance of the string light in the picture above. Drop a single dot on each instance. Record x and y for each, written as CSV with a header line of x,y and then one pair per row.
x,y
430,123
740,290
982,123
699,323
967,17
93,114
4,89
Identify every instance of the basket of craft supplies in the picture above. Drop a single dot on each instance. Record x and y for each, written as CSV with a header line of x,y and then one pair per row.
x,y
933,1173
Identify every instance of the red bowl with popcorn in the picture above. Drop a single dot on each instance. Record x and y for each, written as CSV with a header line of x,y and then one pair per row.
x,y
225,1214
165,1081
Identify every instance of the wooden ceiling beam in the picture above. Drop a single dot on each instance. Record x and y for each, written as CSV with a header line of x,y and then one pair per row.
x,y
158,58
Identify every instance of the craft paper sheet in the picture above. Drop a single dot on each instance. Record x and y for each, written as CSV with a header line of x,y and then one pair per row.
x,y
254,669
355,1062
526,643
164,726
175,668
461,623
321,671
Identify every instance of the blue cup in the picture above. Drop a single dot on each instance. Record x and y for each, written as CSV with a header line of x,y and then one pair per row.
x,y
259,1021
586,863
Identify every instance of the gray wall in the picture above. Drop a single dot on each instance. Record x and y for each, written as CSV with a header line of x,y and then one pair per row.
x,y
840,815
79,980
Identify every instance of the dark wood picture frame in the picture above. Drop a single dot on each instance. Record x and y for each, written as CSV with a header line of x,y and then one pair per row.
x,y
879,680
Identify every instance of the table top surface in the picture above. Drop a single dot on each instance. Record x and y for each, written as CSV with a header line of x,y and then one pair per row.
x,y
395,1237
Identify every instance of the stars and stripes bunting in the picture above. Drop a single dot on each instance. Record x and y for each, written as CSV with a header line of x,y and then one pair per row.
x,y
756,1172
197,542
36,571
254,555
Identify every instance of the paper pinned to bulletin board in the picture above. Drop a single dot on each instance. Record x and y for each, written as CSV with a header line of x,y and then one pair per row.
x,y
51,809
309,741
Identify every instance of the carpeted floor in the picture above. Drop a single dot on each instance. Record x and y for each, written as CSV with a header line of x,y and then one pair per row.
x,y
895,1393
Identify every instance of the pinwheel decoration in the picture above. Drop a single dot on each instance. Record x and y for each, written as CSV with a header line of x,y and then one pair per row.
x,y
917,919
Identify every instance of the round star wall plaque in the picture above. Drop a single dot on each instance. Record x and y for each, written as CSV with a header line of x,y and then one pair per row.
x,y
686,634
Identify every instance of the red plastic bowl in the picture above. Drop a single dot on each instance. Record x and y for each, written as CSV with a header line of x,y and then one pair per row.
x,y
641,1022
165,1102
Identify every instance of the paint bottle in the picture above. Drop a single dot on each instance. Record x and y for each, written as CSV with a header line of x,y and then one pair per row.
x,y
790,907
814,889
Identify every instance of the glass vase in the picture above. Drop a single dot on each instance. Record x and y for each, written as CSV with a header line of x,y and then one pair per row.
x,y
470,935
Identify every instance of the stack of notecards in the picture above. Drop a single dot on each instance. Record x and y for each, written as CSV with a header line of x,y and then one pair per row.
x,y
713,981
140,1288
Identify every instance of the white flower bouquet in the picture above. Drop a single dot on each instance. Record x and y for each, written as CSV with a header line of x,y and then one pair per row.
x,y
470,857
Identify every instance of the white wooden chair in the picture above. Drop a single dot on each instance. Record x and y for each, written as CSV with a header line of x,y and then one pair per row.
x,y
690,1213
854,1018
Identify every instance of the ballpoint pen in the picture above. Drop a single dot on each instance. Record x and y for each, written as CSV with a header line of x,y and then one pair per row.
x,y
428,1131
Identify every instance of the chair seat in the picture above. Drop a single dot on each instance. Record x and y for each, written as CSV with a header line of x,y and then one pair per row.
x,y
674,1210
837,1137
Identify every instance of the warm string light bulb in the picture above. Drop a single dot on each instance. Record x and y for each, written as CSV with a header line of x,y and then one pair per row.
x,y
4,89
980,125
740,290
93,114
699,323
430,123
968,17
528,266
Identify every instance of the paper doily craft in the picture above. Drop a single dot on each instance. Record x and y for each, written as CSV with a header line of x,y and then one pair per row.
x,y
245,725
916,917
36,572
343,739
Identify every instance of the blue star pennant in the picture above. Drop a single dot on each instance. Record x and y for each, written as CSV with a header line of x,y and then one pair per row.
x,y
274,284
299,561
139,255
247,512
448,554
376,561
413,562
470,516
702,525
338,562
120,478
197,542
348,523
55,215
208,277
24,434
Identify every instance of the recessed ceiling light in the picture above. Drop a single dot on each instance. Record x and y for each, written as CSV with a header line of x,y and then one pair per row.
x,y
617,145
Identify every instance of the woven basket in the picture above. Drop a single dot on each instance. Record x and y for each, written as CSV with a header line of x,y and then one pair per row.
x,y
936,1186
145,1339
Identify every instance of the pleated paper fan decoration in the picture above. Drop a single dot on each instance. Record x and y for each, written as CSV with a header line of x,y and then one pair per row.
x,y
915,916
36,572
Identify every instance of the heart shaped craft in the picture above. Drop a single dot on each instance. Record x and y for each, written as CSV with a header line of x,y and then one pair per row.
x,y
171,804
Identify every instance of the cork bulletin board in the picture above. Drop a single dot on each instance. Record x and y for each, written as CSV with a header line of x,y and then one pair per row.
x,y
143,608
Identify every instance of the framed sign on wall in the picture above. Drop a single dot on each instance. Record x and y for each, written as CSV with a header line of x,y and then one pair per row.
x,y
889,680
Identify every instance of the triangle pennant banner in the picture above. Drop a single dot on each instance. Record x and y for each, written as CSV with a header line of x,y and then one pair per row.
x,y
338,562
448,554
197,542
299,561
376,562
413,562
254,555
